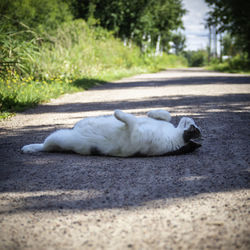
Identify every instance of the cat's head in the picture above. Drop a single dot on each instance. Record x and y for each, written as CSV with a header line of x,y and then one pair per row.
x,y
190,129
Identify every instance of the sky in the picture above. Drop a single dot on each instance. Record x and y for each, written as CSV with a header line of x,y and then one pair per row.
x,y
194,23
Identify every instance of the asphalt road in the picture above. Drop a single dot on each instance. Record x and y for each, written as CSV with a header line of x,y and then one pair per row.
x,y
194,201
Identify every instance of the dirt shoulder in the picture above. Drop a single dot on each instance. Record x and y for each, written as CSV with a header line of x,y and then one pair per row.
x,y
194,201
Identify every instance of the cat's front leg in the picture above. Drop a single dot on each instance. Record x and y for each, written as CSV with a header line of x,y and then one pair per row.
x,y
159,114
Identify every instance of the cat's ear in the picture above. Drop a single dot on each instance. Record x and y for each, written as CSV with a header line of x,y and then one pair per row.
x,y
191,133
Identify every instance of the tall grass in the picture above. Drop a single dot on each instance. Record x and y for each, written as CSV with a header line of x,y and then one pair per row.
x,y
51,63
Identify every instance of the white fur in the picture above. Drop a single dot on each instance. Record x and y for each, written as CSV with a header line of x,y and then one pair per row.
x,y
119,135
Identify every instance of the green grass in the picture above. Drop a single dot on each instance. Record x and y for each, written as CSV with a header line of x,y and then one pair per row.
x,y
237,64
72,58
19,93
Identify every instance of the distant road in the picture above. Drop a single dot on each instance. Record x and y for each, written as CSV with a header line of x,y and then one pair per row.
x,y
195,201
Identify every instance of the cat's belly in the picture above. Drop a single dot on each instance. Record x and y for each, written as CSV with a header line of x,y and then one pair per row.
x,y
104,135
108,136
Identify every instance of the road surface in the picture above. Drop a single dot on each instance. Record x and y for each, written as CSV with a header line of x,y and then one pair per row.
x,y
194,201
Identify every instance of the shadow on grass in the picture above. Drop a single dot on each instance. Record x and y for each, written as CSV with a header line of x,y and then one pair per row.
x,y
86,83
12,103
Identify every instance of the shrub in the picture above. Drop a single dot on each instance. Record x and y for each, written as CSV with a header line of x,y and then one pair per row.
x,y
237,64
72,58
196,58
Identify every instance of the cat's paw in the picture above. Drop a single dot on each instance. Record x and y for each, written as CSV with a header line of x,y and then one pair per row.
x,y
32,148
160,114
119,114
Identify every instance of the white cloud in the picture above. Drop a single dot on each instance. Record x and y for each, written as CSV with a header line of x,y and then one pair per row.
x,y
194,23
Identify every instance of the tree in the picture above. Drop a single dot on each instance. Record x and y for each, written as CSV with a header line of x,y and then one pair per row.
x,y
160,18
135,18
232,16
130,19
22,14
230,46
179,41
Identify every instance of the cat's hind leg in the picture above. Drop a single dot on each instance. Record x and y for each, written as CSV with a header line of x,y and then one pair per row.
x,y
32,148
159,114
128,119
61,140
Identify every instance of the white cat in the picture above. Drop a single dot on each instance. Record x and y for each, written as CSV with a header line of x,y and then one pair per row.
x,y
124,135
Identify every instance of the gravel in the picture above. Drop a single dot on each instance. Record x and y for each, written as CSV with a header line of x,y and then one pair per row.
x,y
195,201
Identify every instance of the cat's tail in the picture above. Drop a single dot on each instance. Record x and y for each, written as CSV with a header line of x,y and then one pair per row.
x,y
32,148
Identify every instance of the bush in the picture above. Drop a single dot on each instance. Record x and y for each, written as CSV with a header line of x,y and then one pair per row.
x,y
75,50
196,58
72,58
237,64
17,15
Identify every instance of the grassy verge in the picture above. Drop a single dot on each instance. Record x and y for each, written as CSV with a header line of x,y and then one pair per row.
x,y
50,65
237,64
19,93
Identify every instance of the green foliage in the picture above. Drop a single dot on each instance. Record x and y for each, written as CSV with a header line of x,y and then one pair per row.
x,y
179,41
237,64
35,14
232,16
134,18
18,93
71,59
131,19
196,58
52,53
160,17
230,45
